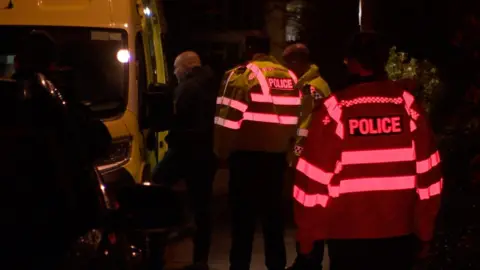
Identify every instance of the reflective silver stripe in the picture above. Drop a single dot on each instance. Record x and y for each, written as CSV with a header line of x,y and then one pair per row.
x,y
302,132
297,150
317,96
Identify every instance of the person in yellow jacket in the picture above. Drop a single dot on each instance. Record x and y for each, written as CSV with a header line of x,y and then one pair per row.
x,y
314,88
256,120
310,83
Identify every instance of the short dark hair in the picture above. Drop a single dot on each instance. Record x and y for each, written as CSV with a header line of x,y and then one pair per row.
x,y
255,44
370,50
38,50
297,51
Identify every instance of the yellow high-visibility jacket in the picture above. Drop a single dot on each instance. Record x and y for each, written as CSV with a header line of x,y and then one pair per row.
x,y
257,109
314,88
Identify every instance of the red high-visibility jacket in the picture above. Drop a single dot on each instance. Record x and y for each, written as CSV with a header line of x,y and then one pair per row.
x,y
376,173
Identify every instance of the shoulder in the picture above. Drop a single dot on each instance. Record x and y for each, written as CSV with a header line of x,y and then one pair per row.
x,y
235,76
238,70
320,84
332,101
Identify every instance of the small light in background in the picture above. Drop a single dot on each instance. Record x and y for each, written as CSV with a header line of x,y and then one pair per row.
x,y
147,12
123,56
360,13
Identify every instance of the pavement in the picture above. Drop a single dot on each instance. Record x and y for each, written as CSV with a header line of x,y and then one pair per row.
x,y
455,246
179,254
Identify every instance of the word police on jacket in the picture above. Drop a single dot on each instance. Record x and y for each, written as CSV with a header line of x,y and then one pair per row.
x,y
281,83
381,125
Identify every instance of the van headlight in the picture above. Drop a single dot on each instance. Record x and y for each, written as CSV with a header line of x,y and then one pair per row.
x,y
118,155
91,238
85,247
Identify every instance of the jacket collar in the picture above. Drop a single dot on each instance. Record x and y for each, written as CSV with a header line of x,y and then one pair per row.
x,y
265,58
192,72
311,74
357,79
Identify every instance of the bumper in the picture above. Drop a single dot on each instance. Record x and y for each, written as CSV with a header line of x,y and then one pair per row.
x,y
119,176
114,181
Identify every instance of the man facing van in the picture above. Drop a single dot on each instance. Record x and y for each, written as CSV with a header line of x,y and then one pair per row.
x,y
190,142
256,120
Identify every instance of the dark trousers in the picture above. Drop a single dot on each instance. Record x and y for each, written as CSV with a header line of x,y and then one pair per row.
x,y
372,254
198,168
255,188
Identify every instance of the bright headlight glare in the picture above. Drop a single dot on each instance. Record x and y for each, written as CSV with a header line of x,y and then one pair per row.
x,y
123,56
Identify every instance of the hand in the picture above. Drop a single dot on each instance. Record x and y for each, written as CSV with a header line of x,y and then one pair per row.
x,y
292,159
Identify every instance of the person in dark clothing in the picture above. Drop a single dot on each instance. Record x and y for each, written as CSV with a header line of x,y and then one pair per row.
x,y
59,143
190,143
39,55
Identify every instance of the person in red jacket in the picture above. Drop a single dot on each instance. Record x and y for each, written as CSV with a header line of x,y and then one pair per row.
x,y
373,191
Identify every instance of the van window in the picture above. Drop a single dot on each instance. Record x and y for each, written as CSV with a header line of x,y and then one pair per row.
x,y
142,82
167,59
91,64
151,50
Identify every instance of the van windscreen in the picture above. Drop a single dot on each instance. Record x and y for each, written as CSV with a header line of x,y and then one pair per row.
x,y
90,65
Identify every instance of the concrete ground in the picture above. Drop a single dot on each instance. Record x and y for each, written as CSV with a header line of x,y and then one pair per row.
x,y
455,245
179,254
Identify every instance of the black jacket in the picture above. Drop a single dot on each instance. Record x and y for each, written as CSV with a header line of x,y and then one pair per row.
x,y
193,120
49,196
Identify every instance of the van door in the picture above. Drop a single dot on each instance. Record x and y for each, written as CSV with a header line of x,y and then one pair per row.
x,y
155,50
154,143
148,150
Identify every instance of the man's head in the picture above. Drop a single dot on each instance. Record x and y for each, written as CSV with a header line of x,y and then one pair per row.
x,y
367,54
184,63
297,58
256,45
37,53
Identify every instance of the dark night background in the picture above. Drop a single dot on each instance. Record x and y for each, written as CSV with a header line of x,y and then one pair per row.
x,y
420,27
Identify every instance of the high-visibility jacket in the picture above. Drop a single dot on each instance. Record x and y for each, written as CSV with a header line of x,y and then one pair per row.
x,y
314,88
378,175
257,109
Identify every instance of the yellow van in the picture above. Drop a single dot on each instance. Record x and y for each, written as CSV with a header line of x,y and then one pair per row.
x,y
114,51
